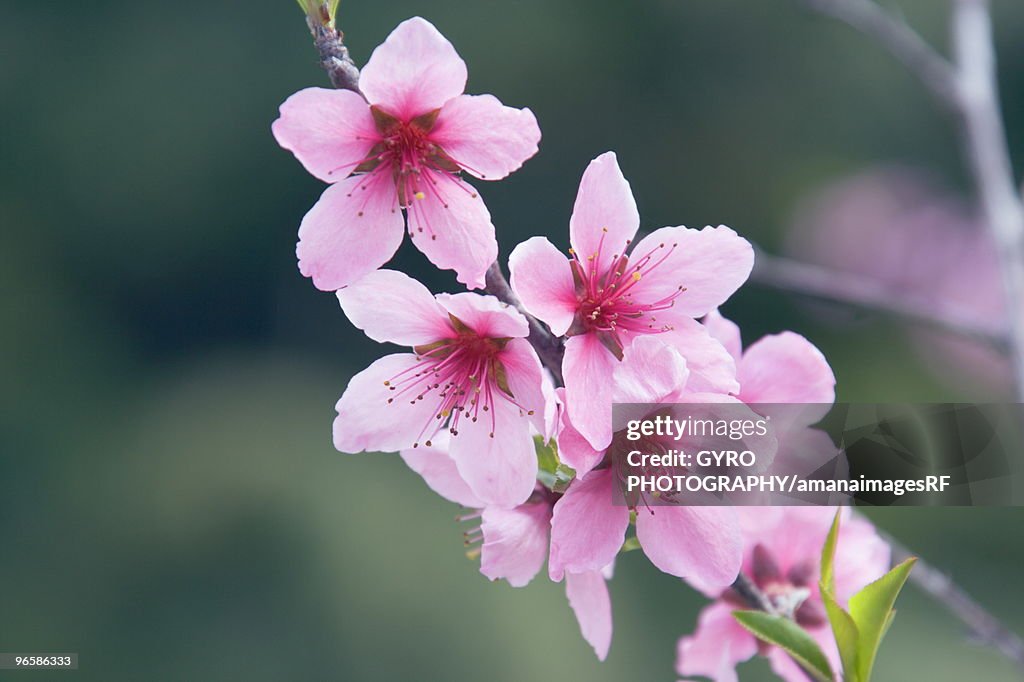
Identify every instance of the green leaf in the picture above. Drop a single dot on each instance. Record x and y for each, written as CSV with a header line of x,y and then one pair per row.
x,y
871,609
828,553
551,473
846,634
312,9
786,634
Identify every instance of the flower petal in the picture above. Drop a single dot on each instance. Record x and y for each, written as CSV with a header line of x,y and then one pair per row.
x,y
390,306
485,315
699,542
785,368
575,450
651,371
588,597
711,367
367,421
587,368
710,263
349,232
414,71
718,645
587,529
452,227
726,332
329,131
542,279
486,138
604,218
527,382
438,469
515,542
501,469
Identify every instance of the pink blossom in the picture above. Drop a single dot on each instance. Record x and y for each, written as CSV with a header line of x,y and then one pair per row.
x,y
471,372
782,557
514,542
402,147
603,297
588,528
786,377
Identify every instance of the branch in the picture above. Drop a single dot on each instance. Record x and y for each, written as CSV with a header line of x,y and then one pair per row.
x,y
989,161
330,45
902,42
549,348
985,627
833,286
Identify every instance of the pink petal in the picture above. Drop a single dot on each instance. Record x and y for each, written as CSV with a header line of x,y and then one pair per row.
x,y
515,542
587,529
575,450
861,555
718,645
711,367
588,597
527,382
542,280
604,217
486,315
710,263
486,138
366,421
785,368
699,542
438,469
587,368
500,470
392,307
452,227
414,71
726,332
329,131
349,232
651,371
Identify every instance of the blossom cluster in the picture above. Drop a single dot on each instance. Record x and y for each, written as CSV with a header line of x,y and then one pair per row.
x,y
470,405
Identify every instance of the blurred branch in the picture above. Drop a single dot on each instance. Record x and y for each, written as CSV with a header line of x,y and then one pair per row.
x,y
549,347
968,87
834,286
989,160
983,626
902,42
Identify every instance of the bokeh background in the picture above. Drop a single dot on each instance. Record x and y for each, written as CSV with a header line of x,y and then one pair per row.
x,y
171,506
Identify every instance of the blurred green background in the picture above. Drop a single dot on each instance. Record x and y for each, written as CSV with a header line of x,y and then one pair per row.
x,y
171,506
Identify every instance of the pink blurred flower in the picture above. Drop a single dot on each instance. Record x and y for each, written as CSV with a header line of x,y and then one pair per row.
x,y
782,557
899,227
515,541
402,147
588,527
471,371
603,298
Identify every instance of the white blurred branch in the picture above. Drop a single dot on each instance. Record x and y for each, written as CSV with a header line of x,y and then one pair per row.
x,y
967,86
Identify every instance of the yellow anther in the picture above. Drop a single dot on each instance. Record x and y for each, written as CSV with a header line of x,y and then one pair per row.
x,y
636,276
420,195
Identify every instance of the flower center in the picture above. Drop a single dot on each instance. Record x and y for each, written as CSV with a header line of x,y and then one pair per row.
x,y
788,592
404,154
463,376
611,301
